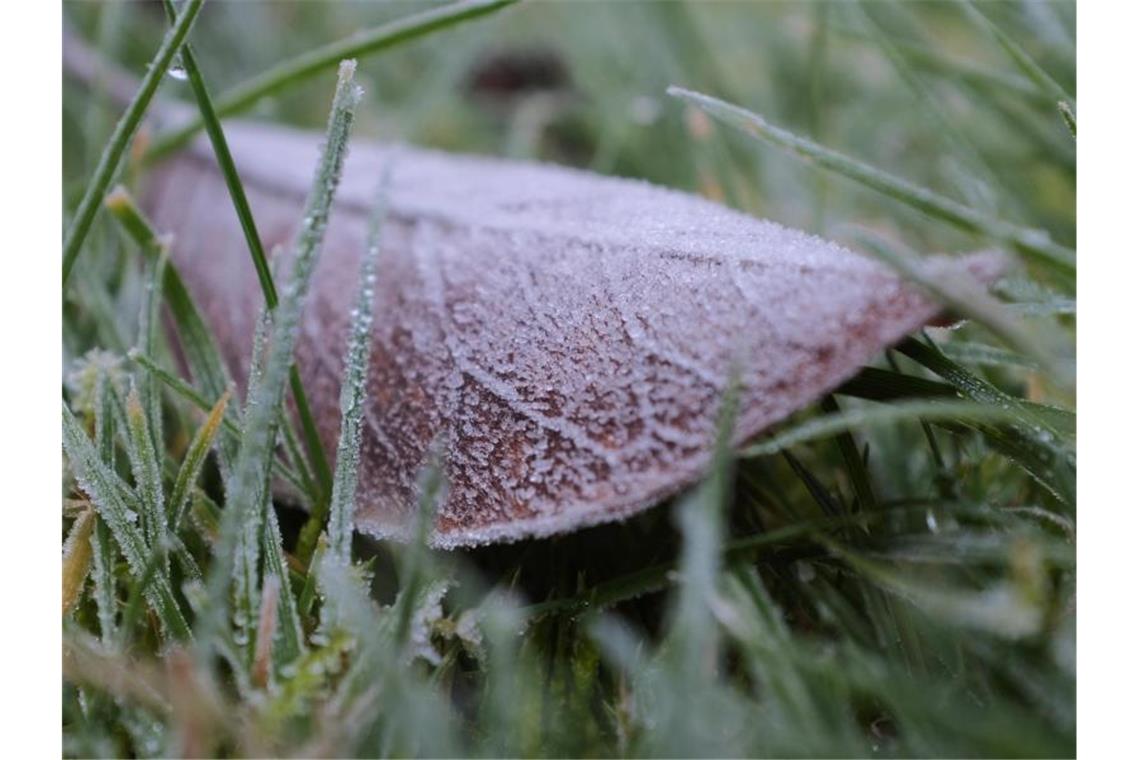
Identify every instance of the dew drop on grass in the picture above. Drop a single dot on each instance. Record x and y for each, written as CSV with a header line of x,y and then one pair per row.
x,y
177,70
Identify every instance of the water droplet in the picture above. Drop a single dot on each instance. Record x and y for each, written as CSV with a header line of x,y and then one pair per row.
x,y
931,521
177,71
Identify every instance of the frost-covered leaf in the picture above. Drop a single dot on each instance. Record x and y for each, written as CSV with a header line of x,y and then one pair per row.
x,y
569,336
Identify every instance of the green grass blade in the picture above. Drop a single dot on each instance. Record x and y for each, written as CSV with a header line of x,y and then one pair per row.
x,y
964,412
146,471
241,525
352,397
233,182
309,64
1069,116
197,342
856,468
415,558
983,355
121,137
150,316
1029,67
291,643
103,580
1058,421
230,428
103,486
192,463
1034,243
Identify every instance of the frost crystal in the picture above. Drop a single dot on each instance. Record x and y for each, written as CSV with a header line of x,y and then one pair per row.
x,y
569,335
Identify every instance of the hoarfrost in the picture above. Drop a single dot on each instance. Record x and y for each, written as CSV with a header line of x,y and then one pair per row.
x,y
570,335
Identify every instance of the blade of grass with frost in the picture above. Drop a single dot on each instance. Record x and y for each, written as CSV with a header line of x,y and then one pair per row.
x,y
313,62
194,337
150,316
100,484
1060,422
192,463
700,520
1045,83
1034,243
352,396
291,641
121,137
984,355
103,580
147,474
1034,439
257,253
77,557
255,455
252,537
230,428
102,548
415,558
1069,116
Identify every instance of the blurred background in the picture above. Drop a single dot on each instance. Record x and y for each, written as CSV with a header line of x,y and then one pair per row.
x,y
916,88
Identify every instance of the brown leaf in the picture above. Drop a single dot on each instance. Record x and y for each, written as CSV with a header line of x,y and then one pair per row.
x,y
569,335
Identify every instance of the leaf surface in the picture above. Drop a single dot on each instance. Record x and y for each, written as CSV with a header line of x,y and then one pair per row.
x,y
570,337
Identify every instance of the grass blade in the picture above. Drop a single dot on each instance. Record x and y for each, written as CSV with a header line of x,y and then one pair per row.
x,y
309,64
291,643
77,557
229,427
148,475
1045,83
124,130
102,486
352,397
248,482
253,240
193,461
1069,116
1034,243
965,412
198,345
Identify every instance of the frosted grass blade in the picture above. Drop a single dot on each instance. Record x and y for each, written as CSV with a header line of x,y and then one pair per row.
x,y
291,641
147,474
248,480
102,485
352,398
1034,243
256,251
194,336
230,428
192,463
77,558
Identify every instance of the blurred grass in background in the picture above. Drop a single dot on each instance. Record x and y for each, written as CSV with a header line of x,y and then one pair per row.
x,y
905,592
